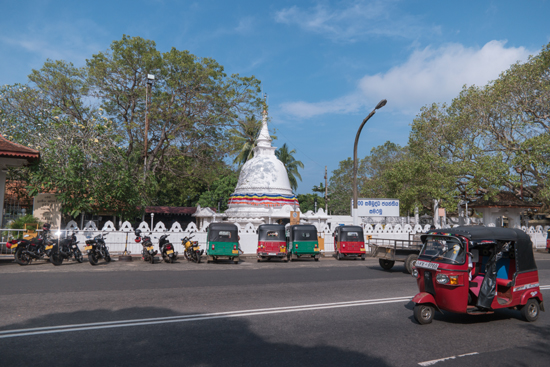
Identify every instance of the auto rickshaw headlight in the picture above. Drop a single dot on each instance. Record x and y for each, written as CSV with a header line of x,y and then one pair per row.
x,y
414,273
442,279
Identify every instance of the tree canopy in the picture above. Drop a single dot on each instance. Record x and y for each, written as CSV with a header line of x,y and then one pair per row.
x,y
88,124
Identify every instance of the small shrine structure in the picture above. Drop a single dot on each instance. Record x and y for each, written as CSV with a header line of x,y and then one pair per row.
x,y
12,155
503,204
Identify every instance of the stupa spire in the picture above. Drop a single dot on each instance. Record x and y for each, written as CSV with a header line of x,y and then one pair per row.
x,y
264,140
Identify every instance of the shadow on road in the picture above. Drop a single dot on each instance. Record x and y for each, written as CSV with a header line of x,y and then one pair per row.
x,y
541,344
219,342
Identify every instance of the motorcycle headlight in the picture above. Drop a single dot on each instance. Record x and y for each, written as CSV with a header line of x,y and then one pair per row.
x,y
442,279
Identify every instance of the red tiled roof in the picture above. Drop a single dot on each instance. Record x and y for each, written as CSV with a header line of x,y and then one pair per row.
x,y
11,149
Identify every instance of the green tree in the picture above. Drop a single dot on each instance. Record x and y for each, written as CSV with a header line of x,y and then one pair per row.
x,y
381,159
220,190
307,202
291,165
81,160
243,139
340,188
193,102
88,124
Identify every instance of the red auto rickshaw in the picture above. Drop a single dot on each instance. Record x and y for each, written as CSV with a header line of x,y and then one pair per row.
x,y
476,270
350,242
271,242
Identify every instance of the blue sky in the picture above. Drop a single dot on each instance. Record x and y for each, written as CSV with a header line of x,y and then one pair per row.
x,y
323,64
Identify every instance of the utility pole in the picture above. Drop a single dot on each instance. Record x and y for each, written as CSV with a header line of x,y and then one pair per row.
x,y
150,79
326,192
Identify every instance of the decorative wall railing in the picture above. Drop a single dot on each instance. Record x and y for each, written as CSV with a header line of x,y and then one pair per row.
x,y
118,239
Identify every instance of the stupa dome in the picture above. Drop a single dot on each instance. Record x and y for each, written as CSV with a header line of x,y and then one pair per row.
x,y
263,181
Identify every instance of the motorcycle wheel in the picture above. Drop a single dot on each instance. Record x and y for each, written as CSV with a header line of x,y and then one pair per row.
x,y
198,256
22,258
56,259
78,256
152,259
93,259
108,259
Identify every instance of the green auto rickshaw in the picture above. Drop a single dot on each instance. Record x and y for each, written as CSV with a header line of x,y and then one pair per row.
x,y
303,242
222,242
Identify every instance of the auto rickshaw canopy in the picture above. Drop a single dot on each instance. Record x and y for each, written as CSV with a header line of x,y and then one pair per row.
x,y
223,232
350,233
480,236
271,232
303,232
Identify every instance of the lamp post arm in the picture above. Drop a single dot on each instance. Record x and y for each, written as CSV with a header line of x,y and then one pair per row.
x,y
355,157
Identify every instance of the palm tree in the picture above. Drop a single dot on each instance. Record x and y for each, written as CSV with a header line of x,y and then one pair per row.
x,y
243,139
291,165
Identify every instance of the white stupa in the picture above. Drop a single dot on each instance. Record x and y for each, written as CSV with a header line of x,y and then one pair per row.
x,y
263,193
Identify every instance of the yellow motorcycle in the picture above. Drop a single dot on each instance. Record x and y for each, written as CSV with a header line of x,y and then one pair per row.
x,y
192,250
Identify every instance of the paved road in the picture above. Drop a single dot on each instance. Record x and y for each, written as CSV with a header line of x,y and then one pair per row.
x,y
259,314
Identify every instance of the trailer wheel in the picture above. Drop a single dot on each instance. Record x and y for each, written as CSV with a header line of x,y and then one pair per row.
x,y
386,264
410,261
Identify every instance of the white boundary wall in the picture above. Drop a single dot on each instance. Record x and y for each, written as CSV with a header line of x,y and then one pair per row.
x,y
117,239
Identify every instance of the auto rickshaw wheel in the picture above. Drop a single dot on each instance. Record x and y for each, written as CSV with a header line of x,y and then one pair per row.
x,y
338,256
236,260
386,264
424,313
531,310
363,257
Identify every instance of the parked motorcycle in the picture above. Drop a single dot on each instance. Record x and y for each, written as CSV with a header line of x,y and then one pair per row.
x,y
167,250
66,248
148,251
34,249
192,250
97,249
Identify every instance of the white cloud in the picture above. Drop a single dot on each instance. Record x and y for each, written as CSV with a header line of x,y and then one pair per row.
x,y
245,26
354,20
429,75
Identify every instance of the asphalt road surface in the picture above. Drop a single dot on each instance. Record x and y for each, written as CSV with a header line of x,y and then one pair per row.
x,y
304,313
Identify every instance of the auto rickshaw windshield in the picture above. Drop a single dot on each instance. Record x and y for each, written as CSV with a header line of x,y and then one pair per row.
x,y
443,249
305,236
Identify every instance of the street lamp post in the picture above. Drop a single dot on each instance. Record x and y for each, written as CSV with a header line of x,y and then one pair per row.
x,y
380,104
150,80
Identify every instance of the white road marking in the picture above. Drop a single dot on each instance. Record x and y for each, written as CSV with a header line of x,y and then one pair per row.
x,y
434,361
197,317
